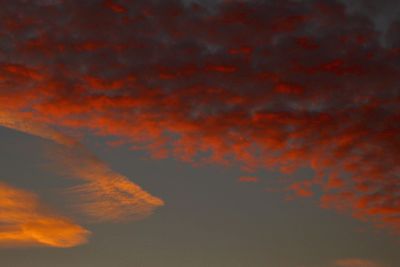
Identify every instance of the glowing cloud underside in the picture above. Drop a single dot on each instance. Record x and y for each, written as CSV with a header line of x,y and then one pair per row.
x,y
24,222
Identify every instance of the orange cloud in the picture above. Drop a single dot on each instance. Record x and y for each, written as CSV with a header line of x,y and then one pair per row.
x,y
25,222
22,122
107,195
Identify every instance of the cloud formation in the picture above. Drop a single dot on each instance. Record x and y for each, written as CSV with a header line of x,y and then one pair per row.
x,y
265,84
23,123
106,195
25,222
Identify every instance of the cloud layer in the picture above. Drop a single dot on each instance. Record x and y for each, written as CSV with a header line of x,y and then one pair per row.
x,y
265,84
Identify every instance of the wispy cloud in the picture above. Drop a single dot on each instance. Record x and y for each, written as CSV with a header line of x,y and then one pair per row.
x,y
24,221
23,122
106,195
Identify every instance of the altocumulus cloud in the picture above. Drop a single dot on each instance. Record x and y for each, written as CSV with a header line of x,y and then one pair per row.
x,y
265,84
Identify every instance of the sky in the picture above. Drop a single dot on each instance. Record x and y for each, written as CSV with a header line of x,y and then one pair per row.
x,y
168,133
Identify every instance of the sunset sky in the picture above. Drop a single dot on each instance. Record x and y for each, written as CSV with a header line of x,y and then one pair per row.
x,y
200,133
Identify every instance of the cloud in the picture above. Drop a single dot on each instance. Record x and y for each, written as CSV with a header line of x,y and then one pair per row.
x,y
22,122
25,222
106,195
356,263
280,85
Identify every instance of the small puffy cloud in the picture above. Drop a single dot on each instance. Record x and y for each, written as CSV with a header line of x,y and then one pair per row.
x,y
355,262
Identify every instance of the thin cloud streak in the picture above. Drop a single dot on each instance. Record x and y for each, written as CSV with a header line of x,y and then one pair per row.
x,y
22,123
105,195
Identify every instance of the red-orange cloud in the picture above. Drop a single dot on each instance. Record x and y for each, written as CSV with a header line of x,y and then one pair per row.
x,y
264,84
